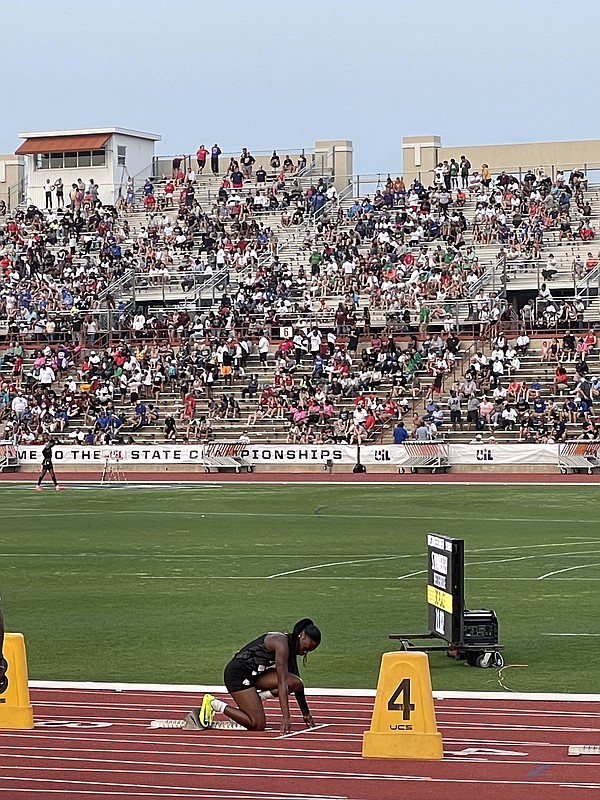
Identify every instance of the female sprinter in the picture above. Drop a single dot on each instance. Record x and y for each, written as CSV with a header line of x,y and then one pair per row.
x,y
47,465
265,667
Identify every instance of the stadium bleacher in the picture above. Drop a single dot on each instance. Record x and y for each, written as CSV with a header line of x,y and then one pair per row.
x,y
147,321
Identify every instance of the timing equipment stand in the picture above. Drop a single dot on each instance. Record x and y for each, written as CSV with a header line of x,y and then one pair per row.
x,y
470,636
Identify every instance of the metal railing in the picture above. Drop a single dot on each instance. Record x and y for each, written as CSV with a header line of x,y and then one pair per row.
x,y
139,179
368,184
591,171
540,321
16,194
162,165
496,275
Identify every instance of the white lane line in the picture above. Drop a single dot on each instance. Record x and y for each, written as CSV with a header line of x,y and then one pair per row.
x,y
167,790
324,578
528,546
318,693
321,755
336,564
306,776
201,556
513,559
287,515
247,751
259,556
566,569
190,794
192,745
355,727
411,574
306,730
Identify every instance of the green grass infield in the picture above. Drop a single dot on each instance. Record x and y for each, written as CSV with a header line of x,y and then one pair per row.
x,y
163,584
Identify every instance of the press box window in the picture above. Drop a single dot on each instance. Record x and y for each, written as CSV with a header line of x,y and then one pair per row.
x,y
98,158
121,155
42,161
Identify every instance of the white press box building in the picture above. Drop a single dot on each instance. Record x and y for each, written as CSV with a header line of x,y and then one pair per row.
x,y
108,155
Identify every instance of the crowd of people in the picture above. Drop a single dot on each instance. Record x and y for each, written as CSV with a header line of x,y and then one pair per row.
x,y
415,236
403,253
110,395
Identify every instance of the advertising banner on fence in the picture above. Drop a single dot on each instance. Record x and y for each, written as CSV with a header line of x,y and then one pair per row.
x,y
295,454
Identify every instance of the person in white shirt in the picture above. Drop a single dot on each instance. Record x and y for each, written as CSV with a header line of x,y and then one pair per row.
x,y
315,340
331,340
19,405
499,393
522,343
348,272
263,350
46,376
331,193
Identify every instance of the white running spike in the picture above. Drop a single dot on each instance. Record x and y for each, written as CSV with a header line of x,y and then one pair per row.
x,y
168,723
229,725
584,750
183,724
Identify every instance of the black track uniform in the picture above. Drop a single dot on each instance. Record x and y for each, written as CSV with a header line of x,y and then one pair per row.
x,y
254,658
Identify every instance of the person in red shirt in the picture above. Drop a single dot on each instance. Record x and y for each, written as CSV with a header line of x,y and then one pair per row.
x,y
561,380
201,156
189,408
586,232
590,340
370,422
513,389
169,192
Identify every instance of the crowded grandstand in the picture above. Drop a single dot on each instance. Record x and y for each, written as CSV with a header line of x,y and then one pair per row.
x,y
249,296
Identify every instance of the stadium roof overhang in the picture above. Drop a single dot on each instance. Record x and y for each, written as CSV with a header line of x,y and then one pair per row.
x,y
61,144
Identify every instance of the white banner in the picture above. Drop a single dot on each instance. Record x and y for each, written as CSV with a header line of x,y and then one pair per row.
x,y
295,454
487,453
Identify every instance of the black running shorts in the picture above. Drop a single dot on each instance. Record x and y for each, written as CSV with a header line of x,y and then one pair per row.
x,y
238,677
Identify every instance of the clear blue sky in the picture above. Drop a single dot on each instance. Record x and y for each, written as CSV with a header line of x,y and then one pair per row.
x,y
281,74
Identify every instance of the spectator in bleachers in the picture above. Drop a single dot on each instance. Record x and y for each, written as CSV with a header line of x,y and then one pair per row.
x,y
201,156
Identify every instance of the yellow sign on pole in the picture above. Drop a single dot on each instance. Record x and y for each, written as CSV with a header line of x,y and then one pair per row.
x,y
403,723
15,708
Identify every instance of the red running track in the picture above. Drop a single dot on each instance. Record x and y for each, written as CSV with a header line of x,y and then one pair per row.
x,y
96,744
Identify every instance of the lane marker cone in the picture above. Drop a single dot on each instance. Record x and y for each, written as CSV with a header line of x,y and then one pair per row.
x,y
403,724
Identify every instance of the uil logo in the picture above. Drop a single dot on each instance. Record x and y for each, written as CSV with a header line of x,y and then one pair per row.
x,y
382,455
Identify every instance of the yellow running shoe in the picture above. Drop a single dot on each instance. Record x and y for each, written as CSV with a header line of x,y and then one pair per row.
x,y
207,712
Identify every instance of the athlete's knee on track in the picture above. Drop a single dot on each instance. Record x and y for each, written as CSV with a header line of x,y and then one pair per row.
x,y
257,725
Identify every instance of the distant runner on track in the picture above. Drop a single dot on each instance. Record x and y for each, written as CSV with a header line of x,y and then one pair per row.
x,y
47,465
265,667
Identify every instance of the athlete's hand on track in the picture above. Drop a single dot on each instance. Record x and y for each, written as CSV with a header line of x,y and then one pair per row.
x,y
286,726
310,723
